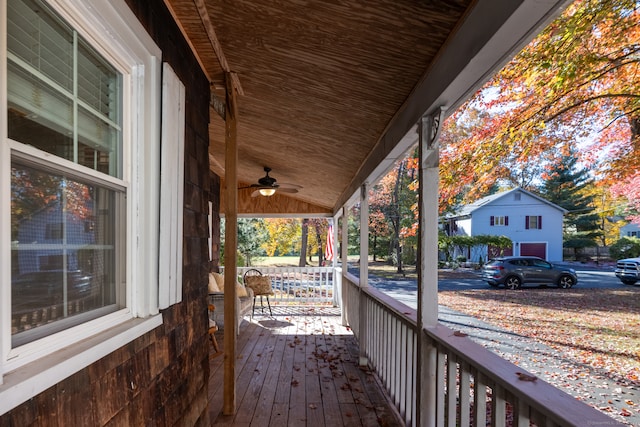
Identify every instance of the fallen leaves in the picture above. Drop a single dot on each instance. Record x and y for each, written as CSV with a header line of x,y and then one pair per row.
x,y
598,328
596,332
525,377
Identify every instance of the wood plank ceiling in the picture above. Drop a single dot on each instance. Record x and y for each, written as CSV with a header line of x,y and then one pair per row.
x,y
321,82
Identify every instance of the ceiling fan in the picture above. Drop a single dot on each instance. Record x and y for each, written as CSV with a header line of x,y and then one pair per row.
x,y
267,186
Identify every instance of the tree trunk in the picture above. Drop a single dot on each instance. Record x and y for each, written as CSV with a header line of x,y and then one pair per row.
x,y
319,240
303,245
374,244
395,206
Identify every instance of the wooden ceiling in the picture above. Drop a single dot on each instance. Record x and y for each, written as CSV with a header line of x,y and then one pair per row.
x,y
322,83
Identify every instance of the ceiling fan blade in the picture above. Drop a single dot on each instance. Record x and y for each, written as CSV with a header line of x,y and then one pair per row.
x,y
256,193
287,190
288,185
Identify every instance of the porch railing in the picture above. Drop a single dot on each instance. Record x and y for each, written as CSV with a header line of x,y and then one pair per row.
x,y
464,384
299,284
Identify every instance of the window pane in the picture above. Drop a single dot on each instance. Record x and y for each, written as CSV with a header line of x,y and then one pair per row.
x,y
64,98
41,41
38,115
64,268
98,83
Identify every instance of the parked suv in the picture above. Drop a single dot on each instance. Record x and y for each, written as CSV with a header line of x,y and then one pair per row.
x,y
628,270
513,272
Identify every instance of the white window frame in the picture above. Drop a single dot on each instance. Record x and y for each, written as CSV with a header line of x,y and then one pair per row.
x,y
114,31
499,220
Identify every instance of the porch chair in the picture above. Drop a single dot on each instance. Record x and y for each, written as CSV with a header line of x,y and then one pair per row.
x,y
213,328
261,286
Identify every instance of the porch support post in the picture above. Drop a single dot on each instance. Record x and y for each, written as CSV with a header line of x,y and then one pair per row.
x,y
428,133
231,245
364,273
344,252
337,290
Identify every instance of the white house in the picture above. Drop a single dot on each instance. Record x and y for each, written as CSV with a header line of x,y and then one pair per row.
x,y
630,230
533,224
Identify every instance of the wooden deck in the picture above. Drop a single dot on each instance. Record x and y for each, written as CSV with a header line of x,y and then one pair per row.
x,y
299,367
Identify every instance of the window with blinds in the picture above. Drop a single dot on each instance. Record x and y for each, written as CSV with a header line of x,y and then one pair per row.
x,y
63,97
67,223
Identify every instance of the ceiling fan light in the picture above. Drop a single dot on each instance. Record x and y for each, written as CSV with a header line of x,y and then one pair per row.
x,y
267,191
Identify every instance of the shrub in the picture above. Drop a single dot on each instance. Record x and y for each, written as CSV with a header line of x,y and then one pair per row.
x,y
626,247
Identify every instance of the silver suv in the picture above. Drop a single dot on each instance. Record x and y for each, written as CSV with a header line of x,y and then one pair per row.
x,y
513,272
628,270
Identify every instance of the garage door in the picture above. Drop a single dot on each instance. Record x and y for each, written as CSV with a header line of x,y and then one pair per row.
x,y
534,249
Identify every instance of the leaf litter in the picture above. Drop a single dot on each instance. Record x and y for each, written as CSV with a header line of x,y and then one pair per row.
x,y
594,335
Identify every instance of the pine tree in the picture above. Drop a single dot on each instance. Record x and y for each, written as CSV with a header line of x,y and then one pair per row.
x,y
565,187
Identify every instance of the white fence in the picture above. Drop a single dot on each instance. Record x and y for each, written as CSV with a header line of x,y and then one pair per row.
x,y
299,284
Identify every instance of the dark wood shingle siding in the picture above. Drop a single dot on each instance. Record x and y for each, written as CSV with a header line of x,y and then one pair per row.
x,y
161,378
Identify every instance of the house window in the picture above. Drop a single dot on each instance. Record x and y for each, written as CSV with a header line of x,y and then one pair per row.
x,y
499,221
632,233
79,183
533,222
63,99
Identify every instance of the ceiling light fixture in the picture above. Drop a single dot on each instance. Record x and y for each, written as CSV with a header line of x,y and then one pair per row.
x,y
267,191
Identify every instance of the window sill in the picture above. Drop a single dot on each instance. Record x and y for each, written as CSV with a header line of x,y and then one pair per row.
x,y
29,380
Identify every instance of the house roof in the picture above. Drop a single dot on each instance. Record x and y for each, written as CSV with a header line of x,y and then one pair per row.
x,y
468,210
330,92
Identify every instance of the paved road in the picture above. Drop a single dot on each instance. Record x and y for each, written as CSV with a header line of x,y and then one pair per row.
x,y
586,279
406,289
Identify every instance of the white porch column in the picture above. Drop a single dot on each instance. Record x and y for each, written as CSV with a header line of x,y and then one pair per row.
x,y
337,282
364,272
344,252
428,133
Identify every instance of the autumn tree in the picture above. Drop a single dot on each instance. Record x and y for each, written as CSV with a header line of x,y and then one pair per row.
x,y
284,236
576,83
379,228
393,198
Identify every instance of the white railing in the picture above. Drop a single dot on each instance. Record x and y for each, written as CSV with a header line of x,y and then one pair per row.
x,y
299,284
462,383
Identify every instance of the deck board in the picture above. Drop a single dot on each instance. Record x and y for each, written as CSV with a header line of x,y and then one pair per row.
x,y
299,367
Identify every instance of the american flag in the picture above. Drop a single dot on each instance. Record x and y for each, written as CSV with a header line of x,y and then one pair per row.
x,y
328,250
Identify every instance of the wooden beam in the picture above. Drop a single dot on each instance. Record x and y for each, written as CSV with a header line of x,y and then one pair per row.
x,y
186,37
231,78
231,245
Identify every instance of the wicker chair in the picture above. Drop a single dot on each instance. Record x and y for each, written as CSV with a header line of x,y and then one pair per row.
x,y
261,286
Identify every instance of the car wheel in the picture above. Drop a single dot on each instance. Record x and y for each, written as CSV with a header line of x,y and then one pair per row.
x,y
565,282
629,282
512,282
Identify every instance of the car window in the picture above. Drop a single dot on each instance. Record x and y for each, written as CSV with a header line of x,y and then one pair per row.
x,y
541,263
